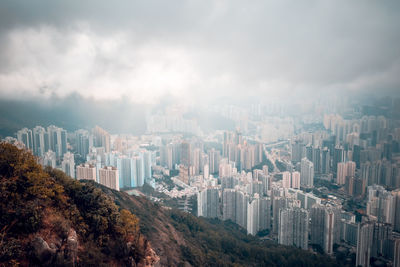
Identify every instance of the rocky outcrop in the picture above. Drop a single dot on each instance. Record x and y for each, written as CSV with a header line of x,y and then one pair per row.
x,y
41,251
71,248
59,252
150,257
65,252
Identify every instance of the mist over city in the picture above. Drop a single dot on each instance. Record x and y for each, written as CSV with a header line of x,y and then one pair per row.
x,y
200,133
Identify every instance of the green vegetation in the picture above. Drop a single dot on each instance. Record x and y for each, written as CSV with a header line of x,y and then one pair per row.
x,y
225,244
183,238
280,165
265,161
47,203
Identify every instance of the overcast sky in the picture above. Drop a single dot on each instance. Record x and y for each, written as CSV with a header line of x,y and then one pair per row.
x,y
197,50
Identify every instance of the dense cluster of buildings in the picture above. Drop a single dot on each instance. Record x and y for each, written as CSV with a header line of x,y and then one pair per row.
x,y
117,164
334,186
360,158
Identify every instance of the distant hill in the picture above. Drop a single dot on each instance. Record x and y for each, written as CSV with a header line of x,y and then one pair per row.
x,y
51,219
72,113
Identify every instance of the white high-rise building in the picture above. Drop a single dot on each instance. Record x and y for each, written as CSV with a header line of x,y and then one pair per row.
x,y
86,172
345,169
341,173
83,142
109,176
206,171
307,173
241,208
25,136
68,164
57,140
295,180
40,141
125,167
286,180
253,215
49,159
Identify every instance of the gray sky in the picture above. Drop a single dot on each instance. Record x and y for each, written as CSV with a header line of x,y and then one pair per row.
x,y
198,50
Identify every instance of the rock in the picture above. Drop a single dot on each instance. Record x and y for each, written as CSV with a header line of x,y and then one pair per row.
x,y
42,251
151,258
71,249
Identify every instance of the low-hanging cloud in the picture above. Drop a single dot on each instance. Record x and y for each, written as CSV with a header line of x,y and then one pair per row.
x,y
204,50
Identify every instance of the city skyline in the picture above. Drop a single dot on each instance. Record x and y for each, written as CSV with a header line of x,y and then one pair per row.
x,y
225,133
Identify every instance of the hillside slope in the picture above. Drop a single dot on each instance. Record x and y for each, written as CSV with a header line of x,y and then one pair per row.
x,y
181,239
49,219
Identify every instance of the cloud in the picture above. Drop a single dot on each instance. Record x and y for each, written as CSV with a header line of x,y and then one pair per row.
x,y
197,51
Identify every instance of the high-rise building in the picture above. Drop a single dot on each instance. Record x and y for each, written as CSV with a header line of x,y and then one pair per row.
x,y
278,203
351,168
185,154
184,173
208,203
341,173
295,180
139,170
86,172
25,136
297,151
40,141
109,176
196,161
83,141
323,227
229,204
265,170
264,213
286,180
170,155
68,164
382,234
49,159
364,243
226,168
148,161
345,169
241,208
325,161
396,225
338,156
396,253
253,213
102,138
57,140
214,158
381,204
349,232
126,169
306,173
316,159
293,227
